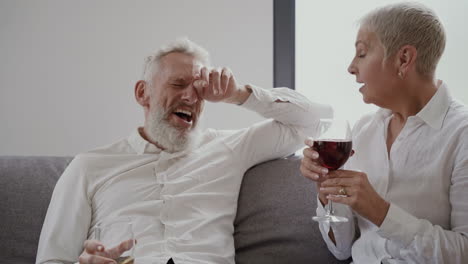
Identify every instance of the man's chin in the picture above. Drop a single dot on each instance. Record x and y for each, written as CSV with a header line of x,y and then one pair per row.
x,y
183,129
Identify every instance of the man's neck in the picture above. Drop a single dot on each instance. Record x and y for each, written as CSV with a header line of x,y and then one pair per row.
x,y
143,134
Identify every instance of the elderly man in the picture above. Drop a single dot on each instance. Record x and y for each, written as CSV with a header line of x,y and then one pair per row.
x,y
177,184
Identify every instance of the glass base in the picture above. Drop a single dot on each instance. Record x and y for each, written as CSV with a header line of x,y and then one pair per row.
x,y
330,219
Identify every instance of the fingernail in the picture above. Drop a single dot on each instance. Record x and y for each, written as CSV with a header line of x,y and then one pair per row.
x,y
315,155
324,171
315,177
322,188
99,248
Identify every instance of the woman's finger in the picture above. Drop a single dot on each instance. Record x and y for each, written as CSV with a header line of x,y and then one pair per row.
x,y
309,142
314,167
341,199
334,182
336,190
309,174
310,153
345,174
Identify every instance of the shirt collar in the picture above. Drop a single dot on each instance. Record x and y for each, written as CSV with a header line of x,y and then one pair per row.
x,y
141,145
433,113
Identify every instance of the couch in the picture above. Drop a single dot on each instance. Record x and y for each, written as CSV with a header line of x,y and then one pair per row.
x,y
273,222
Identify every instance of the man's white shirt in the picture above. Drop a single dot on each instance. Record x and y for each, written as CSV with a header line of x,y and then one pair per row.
x,y
182,205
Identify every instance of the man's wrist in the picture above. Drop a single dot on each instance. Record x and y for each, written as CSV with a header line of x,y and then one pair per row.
x,y
242,94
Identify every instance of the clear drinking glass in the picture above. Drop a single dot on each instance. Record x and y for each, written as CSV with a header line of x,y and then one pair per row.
x,y
111,233
334,146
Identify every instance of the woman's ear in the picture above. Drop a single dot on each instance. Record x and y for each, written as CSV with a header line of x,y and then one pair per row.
x,y
406,60
141,93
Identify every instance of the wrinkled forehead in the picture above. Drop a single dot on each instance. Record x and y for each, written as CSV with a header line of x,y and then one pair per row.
x,y
179,65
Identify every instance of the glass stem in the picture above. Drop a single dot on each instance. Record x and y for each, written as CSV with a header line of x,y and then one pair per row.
x,y
330,207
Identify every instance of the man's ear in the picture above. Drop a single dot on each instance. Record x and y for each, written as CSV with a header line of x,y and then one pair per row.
x,y
406,59
142,93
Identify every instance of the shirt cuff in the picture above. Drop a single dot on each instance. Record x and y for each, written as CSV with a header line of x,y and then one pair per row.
x,y
261,97
341,231
399,226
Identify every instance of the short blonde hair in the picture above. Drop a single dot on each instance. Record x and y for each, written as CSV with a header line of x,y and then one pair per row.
x,y
413,24
182,45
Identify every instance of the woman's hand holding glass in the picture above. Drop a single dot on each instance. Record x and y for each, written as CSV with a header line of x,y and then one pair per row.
x,y
360,195
358,191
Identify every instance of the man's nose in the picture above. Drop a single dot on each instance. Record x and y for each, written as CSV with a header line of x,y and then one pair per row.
x,y
190,95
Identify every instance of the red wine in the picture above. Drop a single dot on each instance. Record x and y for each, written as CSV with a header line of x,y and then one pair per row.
x,y
333,153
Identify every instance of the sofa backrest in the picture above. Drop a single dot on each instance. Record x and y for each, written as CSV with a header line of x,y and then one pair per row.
x,y
26,185
273,223
274,217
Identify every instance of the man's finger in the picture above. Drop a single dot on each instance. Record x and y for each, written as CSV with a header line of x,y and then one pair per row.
x,y
205,75
117,251
95,259
93,246
199,85
215,78
196,71
225,76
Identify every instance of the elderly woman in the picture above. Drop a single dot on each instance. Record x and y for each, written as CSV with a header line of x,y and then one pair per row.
x,y
406,186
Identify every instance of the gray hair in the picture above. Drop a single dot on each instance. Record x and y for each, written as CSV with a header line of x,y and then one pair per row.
x,y
413,24
182,45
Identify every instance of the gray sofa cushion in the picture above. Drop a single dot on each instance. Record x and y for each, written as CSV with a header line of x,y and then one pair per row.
x,y
274,217
26,187
273,223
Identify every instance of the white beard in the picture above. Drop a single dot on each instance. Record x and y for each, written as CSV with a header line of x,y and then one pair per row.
x,y
166,135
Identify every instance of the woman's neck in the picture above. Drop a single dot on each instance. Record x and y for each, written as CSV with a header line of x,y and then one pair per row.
x,y
416,95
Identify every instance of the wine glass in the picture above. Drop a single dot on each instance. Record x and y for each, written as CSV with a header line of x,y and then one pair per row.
x,y
334,146
113,232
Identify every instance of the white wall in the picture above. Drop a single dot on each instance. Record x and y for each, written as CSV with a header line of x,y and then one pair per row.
x,y
68,67
325,36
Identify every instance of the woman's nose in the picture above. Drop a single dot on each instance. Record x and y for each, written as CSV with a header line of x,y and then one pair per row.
x,y
352,68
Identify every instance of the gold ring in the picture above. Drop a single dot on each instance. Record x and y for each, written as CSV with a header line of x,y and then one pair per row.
x,y
342,191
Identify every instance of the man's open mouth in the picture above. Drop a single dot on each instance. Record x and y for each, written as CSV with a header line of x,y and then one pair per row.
x,y
184,115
